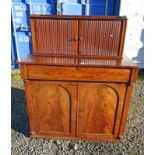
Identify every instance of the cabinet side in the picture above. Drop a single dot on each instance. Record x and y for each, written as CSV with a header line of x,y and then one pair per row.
x,y
29,106
23,70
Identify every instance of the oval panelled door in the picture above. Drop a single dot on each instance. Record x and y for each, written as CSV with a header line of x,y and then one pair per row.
x,y
84,110
98,115
52,108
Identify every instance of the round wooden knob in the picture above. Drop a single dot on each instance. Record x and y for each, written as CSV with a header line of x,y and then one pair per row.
x,y
80,38
75,39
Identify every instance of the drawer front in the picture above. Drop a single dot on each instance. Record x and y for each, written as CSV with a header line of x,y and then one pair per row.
x,y
77,74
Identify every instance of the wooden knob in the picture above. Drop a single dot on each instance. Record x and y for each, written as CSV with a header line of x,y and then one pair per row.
x,y
75,39
80,38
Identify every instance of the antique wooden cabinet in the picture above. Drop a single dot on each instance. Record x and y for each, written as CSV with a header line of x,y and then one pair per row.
x,y
78,88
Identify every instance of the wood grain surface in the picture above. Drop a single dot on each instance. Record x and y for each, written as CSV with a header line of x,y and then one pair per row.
x,y
97,36
53,107
54,36
100,38
77,74
99,109
77,84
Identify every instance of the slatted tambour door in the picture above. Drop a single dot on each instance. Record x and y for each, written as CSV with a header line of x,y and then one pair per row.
x,y
54,36
100,37
90,36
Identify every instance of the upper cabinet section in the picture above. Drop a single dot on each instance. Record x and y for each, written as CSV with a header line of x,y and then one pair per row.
x,y
78,35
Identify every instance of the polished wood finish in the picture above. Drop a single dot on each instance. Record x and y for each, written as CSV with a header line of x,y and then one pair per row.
x,y
64,60
125,109
99,109
78,85
77,74
99,38
78,102
54,36
94,36
53,107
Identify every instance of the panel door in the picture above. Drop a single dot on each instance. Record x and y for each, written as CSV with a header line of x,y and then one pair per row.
x,y
51,108
99,110
54,36
99,38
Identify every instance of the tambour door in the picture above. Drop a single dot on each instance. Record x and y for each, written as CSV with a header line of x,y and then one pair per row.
x,y
51,108
101,37
54,36
100,107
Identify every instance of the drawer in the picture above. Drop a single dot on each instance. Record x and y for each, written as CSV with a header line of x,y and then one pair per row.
x,y
77,74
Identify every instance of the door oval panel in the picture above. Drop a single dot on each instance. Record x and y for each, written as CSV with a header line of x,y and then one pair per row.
x,y
54,108
99,102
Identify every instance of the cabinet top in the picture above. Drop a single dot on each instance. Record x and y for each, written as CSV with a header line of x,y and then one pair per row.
x,y
78,61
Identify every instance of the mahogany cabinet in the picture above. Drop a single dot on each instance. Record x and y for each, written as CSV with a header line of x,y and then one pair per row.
x,y
84,101
78,83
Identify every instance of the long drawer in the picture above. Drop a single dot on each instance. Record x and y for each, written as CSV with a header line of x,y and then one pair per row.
x,y
44,72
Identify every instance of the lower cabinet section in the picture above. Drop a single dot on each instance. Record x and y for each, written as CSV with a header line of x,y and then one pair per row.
x,y
75,109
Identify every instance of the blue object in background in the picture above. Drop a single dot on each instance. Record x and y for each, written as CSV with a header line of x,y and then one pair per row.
x,y
21,10
89,7
20,25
